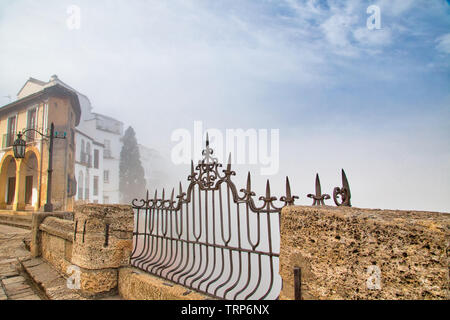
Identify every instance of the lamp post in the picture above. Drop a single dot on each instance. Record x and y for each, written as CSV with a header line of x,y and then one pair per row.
x,y
19,147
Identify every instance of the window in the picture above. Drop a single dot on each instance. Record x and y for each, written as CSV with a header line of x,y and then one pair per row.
x,y
107,151
82,154
96,158
95,185
31,124
80,185
88,154
106,176
11,131
86,189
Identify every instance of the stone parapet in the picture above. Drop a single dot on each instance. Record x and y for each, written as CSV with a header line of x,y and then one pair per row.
x,y
102,243
137,285
342,252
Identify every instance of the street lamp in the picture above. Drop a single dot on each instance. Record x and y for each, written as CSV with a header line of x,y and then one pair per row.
x,y
19,153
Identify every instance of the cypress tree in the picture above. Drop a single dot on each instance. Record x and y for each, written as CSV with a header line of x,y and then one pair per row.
x,y
132,182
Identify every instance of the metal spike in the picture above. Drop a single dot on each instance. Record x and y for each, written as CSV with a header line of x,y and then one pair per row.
x,y
207,139
229,162
146,197
345,181
249,183
156,194
181,189
346,185
288,188
192,167
268,189
318,187
171,196
163,194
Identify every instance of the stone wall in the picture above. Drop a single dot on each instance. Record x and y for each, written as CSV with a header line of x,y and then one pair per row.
x,y
339,249
335,249
138,285
56,242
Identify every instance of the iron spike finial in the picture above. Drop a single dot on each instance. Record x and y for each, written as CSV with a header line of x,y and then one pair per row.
x,y
249,183
268,189
156,194
318,197
171,196
207,140
181,194
229,162
343,192
288,199
318,187
288,188
163,194
345,181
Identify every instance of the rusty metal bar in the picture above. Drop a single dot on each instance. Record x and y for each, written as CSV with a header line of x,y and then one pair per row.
x,y
297,283
210,239
106,235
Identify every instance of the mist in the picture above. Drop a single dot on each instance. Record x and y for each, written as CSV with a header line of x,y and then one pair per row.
x,y
375,103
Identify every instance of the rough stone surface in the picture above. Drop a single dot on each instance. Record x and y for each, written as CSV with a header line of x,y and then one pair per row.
x,y
96,247
334,247
14,285
137,285
36,221
94,282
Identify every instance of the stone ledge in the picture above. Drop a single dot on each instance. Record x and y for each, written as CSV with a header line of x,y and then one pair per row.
x,y
335,246
138,285
58,227
49,280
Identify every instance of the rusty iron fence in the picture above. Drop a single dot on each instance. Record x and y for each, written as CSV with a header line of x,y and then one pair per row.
x,y
210,238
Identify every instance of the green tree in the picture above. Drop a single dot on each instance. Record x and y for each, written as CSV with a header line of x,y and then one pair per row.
x,y
132,184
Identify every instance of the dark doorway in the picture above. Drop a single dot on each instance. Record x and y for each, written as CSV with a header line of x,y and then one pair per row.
x,y
28,189
11,189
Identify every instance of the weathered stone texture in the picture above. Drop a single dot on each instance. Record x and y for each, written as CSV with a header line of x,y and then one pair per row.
x,y
335,246
56,242
137,285
94,282
95,246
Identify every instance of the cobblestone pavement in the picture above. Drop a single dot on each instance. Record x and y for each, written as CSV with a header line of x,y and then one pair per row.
x,y
14,284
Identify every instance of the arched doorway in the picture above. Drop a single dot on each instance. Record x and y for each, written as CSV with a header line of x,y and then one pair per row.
x,y
30,172
7,181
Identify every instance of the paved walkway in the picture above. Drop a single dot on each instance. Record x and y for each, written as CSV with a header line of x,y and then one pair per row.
x,y
19,272
14,284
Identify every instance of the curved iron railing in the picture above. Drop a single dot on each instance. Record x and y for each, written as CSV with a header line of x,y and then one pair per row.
x,y
211,239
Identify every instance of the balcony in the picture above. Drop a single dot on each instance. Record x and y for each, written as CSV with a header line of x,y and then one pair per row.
x,y
86,159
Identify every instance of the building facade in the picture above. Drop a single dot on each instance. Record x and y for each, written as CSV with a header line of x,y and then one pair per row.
x,y
23,182
98,145
109,132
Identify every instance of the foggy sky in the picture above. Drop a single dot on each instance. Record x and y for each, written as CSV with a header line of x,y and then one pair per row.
x,y
374,102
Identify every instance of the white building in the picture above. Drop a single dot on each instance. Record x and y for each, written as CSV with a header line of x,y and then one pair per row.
x,y
109,132
98,145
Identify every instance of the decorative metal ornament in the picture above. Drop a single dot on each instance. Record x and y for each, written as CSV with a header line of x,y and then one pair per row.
x,y
319,198
342,193
193,238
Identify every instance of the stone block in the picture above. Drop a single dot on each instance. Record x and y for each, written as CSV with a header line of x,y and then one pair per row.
x,y
94,282
337,247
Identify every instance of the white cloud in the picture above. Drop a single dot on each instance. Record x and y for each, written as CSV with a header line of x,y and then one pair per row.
x,y
444,43
373,38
